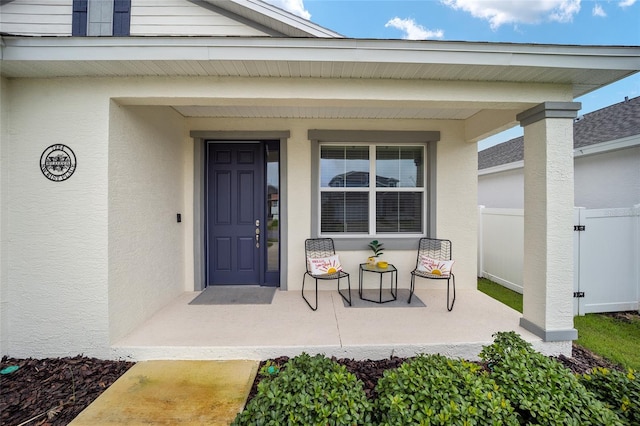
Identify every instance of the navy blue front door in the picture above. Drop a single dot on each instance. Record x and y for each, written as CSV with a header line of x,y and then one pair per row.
x,y
235,210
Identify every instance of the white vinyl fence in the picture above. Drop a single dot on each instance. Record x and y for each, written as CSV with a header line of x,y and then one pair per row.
x,y
606,255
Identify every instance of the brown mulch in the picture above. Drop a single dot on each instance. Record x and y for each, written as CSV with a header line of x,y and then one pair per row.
x,y
53,391
581,361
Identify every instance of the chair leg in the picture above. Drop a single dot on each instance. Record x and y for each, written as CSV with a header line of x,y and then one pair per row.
x,y
349,287
413,283
450,307
304,277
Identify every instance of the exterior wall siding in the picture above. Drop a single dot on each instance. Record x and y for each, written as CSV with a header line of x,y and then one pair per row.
x,y
36,17
4,287
603,180
57,281
148,18
94,256
456,193
503,190
183,18
147,146
608,180
450,225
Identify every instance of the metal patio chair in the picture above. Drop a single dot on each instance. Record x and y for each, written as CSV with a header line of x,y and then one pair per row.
x,y
437,250
321,248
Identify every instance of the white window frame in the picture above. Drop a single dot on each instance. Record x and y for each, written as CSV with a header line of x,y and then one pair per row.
x,y
373,191
385,137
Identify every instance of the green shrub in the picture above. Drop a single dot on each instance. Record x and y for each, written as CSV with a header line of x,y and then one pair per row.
x,y
543,390
434,390
619,391
308,391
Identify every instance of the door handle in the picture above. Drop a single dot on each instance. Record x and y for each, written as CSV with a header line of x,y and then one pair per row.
x,y
257,234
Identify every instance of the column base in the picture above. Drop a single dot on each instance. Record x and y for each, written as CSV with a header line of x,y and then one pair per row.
x,y
549,335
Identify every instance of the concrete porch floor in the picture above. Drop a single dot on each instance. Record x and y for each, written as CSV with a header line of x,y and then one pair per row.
x,y
288,327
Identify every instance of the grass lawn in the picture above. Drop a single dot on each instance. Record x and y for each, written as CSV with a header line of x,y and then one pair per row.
x,y
617,339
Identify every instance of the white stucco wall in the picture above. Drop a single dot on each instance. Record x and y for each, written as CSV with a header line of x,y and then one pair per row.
x,y
88,259
56,247
147,147
502,189
548,220
608,179
457,208
602,180
4,289
456,193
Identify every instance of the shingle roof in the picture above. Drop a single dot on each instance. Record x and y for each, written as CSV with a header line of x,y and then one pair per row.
x,y
614,122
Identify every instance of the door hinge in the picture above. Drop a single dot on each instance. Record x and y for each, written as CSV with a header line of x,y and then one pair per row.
x,y
579,227
578,294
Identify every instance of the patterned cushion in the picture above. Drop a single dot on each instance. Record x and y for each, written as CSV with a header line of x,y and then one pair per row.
x,y
324,265
431,266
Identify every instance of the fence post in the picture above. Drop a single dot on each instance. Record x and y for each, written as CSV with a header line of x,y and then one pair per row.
x,y
577,309
480,241
636,213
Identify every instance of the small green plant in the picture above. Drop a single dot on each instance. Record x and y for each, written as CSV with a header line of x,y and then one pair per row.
x,y
376,247
308,391
620,391
435,390
269,369
543,390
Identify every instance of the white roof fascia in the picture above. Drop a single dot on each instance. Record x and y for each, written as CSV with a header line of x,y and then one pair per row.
x,y
614,145
274,13
318,50
501,168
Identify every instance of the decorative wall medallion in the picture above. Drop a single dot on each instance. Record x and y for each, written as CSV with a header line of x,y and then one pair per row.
x,y
58,162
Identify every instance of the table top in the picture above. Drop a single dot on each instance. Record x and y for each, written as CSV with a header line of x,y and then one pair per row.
x,y
375,268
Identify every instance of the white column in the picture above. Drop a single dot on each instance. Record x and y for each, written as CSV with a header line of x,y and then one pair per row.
x,y
548,220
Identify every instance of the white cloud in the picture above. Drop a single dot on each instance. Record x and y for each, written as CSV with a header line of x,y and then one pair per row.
x,y
413,31
626,3
500,12
598,11
293,6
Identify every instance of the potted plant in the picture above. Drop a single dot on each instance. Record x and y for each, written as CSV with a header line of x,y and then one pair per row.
x,y
377,249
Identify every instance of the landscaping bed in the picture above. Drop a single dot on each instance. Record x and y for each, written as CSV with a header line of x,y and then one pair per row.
x,y
369,372
53,391
511,385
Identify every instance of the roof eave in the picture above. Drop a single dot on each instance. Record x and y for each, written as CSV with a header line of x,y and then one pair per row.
x,y
296,26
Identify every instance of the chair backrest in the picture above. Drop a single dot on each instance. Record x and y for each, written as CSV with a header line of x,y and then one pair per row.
x,y
315,248
434,248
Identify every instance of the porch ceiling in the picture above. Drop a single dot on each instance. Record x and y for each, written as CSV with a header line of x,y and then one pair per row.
x,y
326,112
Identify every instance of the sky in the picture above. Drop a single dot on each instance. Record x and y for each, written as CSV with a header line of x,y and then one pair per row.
x,y
568,22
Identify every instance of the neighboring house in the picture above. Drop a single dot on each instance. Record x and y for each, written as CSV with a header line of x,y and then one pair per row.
x,y
606,162
106,139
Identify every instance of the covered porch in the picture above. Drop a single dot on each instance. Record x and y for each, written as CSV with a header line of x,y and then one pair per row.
x,y
287,327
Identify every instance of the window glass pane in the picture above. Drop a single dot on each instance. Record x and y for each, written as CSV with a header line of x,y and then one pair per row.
x,y
400,166
273,208
399,212
344,212
344,166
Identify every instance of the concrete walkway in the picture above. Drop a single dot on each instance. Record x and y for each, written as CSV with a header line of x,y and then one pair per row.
x,y
174,393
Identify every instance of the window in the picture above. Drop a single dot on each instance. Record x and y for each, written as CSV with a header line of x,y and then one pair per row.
x,y
101,17
352,202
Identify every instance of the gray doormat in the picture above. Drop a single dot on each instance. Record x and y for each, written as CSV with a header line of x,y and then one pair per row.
x,y
401,302
235,295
